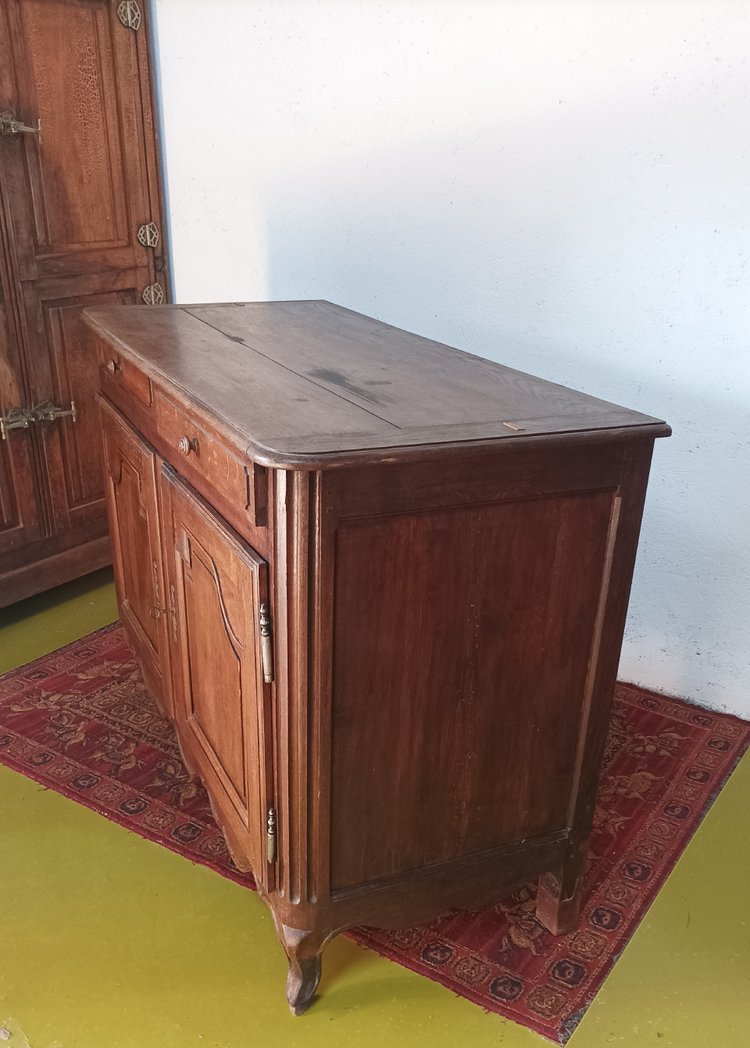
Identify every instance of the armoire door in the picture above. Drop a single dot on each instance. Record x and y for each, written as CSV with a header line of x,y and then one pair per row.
x,y
221,686
131,471
80,194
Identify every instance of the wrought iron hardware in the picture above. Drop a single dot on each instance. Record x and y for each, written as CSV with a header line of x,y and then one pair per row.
x,y
49,412
17,418
153,294
10,126
271,835
22,418
266,646
148,234
129,14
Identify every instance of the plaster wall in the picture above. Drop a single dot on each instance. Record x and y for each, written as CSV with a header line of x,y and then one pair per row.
x,y
561,186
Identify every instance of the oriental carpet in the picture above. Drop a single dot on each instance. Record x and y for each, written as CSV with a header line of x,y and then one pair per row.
x,y
80,722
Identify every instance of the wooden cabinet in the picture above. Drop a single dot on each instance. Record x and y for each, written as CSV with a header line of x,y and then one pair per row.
x,y
397,582
80,224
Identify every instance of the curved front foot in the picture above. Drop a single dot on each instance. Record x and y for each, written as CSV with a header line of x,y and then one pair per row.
x,y
303,951
301,983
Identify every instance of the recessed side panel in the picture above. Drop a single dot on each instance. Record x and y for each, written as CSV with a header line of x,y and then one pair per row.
x,y
461,646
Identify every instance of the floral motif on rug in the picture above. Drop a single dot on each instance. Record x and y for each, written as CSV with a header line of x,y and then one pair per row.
x,y
81,722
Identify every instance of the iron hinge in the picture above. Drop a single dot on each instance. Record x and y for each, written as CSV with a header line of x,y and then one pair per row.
x,y
271,835
153,295
129,14
266,644
148,234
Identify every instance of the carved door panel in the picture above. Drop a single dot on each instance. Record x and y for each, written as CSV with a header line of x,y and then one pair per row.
x,y
80,194
83,179
131,470
221,696
67,375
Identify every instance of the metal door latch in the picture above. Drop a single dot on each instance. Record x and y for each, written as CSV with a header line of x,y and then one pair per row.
x,y
49,412
10,126
22,418
17,418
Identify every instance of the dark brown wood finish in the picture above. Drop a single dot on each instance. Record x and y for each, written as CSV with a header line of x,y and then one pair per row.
x,y
443,548
441,588
73,197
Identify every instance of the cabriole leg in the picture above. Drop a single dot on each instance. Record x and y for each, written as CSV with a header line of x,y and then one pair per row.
x,y
303,950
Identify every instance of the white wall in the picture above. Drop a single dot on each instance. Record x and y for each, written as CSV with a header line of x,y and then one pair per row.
x,y
560,186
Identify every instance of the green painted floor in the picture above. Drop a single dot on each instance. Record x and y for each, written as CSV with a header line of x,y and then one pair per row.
x,y
109,941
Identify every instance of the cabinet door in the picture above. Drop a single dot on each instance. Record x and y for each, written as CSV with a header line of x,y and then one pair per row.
x,y
134,527
76,194
218,584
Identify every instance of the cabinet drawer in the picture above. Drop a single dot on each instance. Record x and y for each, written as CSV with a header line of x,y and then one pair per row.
x,y
119,375
212,467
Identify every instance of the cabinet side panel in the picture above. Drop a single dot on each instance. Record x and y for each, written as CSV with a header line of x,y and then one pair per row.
x,y
461,645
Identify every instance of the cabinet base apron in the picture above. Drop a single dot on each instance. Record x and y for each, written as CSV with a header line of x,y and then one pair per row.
x,y
473,883
54,570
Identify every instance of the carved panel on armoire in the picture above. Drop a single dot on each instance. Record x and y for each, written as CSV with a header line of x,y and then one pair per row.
x,y
81,225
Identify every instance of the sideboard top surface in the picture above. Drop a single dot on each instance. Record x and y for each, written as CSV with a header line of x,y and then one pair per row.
x,y
309,382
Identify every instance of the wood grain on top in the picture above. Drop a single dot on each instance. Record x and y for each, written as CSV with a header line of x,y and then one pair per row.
x,y
311,380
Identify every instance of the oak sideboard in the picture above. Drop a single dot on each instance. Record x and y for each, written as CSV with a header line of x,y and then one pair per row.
x,y
380,586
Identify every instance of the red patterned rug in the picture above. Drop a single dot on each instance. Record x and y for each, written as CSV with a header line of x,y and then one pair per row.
x,y
80,722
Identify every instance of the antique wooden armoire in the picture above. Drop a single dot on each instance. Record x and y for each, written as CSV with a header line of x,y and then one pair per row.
x,y
80,225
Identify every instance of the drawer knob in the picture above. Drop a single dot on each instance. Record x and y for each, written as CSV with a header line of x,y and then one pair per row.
x,y
113,366
187,444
